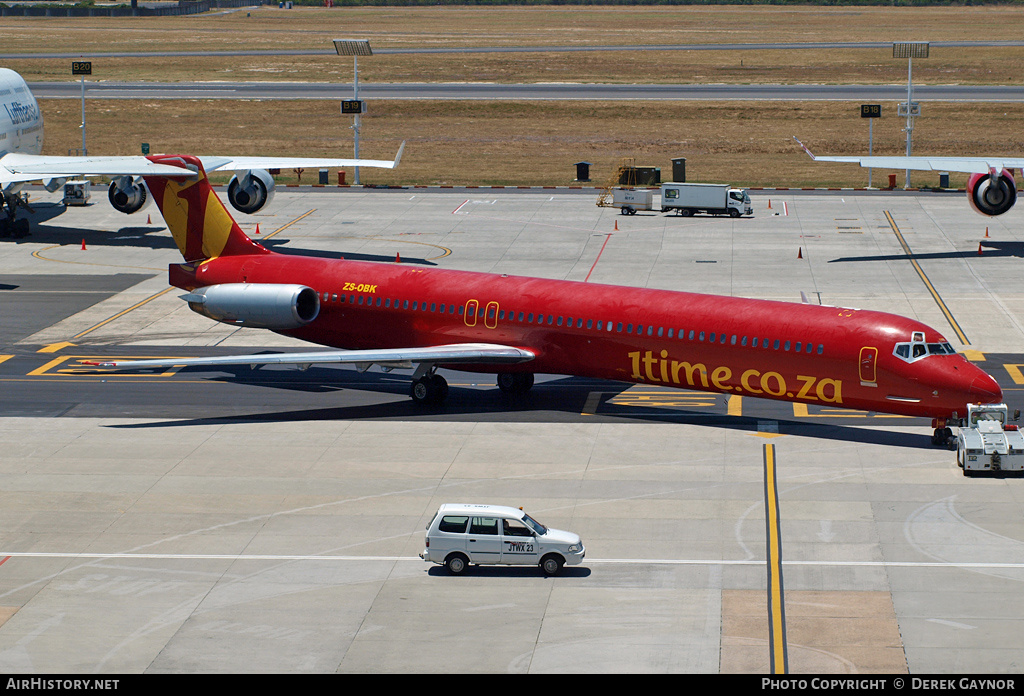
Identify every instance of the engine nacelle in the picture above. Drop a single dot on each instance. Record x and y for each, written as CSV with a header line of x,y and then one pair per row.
x,y
250,190
127,195
274,306
992,197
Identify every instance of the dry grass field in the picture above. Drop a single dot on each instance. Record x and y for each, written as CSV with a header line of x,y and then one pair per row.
x,y
537,143
269,28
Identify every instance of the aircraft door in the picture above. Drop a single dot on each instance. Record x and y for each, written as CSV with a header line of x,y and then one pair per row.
x,y
869,366
491,315
471,310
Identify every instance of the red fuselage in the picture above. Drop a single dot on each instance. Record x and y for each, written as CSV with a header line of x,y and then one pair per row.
x,y
792,352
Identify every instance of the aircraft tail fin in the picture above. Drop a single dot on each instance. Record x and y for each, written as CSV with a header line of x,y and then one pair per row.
x,y
201,225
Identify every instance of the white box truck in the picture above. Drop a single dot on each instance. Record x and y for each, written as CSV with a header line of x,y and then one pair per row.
x,y
714,199
628,201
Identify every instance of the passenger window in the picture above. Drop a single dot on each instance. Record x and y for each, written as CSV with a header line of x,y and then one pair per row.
x,y
618,327
515,528
405,304
786,347
629,328
701,336
669,333
821,348
650,331
743,341
454,524
776,344
590,324
691,334
579,324
484,525
711,338
732,341
377,302
433,306
559,321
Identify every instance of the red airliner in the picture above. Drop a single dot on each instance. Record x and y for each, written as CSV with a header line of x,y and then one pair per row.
x,y
398,315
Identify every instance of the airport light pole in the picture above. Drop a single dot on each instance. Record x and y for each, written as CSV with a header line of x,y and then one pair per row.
x,y
354,48
910,109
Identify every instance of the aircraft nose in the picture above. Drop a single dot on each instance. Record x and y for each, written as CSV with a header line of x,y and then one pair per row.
x,y
985,390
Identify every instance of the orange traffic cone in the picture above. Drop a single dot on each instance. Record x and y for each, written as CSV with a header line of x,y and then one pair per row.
x,y
769,204
149,221
83,243
398,257
616,225
986,233
979,248
257,228
800,253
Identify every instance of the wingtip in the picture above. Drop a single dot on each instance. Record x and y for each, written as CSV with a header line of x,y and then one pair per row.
x,y
809,153
398,157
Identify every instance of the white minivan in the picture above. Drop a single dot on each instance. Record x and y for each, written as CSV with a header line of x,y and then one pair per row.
x,y
461,534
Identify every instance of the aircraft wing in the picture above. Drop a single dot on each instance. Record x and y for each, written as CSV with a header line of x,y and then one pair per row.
x,y
237,164
17,167
388,357
969,165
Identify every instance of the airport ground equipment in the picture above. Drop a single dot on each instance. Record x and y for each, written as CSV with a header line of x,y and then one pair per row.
x,y
988,442
77,192
628,201
713,199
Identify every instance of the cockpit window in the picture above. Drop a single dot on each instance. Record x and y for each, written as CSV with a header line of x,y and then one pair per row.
x,y
916,348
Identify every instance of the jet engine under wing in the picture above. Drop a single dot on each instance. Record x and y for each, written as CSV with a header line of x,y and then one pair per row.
x,y
968,165
16,167
464,353
237,164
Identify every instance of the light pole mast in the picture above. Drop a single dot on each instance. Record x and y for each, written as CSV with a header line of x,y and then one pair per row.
x,y
354,48
910,108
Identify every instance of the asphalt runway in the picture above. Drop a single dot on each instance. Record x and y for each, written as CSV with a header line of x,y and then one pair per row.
x,y
554,91
269,520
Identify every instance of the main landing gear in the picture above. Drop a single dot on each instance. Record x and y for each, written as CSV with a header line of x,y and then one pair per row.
x,y
10,225
430,388
515,383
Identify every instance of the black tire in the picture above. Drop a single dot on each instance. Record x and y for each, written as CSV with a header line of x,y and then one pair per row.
x,y
686,212
552,564
734,213
432,389
456,564
515,382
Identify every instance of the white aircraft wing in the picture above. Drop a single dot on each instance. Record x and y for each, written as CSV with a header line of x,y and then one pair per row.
x,y
388,357
19,168
969,165
237,164
16,167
